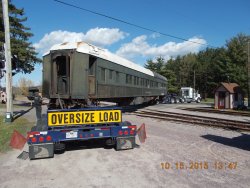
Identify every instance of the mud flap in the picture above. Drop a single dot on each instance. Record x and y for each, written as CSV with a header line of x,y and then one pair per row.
x,y
123,143
40,151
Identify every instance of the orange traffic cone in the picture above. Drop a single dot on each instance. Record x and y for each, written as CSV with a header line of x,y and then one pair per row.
x,y
17,140
142,133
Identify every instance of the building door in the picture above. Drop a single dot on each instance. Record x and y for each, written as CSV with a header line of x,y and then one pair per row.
x,y
221,101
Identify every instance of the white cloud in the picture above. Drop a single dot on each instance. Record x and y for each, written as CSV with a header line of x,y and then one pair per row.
x,y
155,35
104,36
140,47
97,36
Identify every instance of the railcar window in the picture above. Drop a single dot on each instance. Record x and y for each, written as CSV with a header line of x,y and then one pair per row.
x,y
92,61
117,77
128,79
134,80
61,66
103,74
147,83
110,74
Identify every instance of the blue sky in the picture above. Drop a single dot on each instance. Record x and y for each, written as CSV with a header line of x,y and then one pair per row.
x,y
211,22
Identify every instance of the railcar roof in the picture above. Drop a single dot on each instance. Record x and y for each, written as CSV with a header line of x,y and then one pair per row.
x,y
86,48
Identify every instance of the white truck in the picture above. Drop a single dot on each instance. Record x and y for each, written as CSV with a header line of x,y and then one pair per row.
x,y
189,95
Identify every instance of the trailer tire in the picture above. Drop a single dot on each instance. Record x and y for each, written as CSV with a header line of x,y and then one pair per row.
x,y
59,148
172,101
198,100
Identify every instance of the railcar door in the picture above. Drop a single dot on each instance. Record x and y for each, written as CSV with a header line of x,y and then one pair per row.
x,y
92,75
61,75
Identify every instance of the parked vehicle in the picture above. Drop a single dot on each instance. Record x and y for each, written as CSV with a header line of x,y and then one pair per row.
x,y
190,95
32,91
70,125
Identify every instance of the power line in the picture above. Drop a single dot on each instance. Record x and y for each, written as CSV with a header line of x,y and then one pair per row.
x,y
129,23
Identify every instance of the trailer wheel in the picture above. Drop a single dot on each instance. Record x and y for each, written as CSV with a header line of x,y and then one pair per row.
x,y
172,101
59,147
198,100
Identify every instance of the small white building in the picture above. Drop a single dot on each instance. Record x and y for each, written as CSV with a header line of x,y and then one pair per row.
x,y
228,96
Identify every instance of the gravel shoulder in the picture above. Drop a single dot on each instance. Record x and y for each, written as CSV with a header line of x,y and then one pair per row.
x,y
167,142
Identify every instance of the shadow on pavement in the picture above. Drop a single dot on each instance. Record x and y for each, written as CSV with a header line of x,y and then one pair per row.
x,y
87,144
241,142
17,114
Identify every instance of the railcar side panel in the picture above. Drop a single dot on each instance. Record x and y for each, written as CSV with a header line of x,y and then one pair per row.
x,y
112,82
79,76
46,76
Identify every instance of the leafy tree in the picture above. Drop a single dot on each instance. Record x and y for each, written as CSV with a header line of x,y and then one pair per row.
x,y
24,84
211,66
19,36
156,66
237,59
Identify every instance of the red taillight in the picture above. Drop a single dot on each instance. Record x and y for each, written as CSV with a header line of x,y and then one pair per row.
x,y
41,139
120,133
125,132
33,139
92,135
31,134
132,132
133,127
48,138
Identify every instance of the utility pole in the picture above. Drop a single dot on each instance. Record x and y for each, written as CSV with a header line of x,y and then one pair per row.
x,y
248,73
194,85
9,105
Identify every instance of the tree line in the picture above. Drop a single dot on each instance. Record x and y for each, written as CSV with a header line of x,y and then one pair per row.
x,y
206,69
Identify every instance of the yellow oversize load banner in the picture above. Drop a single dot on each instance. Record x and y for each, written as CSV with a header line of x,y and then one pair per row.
x,y
84,117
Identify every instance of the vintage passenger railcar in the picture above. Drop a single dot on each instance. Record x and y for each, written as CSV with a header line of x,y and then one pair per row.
x,y
77,73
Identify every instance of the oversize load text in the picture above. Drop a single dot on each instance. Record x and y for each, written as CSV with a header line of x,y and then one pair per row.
x,y
83,117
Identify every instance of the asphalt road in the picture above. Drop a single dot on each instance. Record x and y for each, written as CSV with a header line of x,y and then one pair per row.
x,y
174,155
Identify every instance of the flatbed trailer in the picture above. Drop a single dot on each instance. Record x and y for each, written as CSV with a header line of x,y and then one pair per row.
x,y
64,126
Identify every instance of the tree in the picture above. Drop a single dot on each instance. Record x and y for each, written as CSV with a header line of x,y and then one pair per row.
x,y
156,66
237,59
23,85
19,37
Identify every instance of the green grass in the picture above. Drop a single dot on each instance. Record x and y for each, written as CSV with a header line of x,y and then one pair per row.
x,y
208,100
6,130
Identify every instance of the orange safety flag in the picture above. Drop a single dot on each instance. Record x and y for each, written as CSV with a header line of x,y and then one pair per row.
x,y
142,133
17,140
